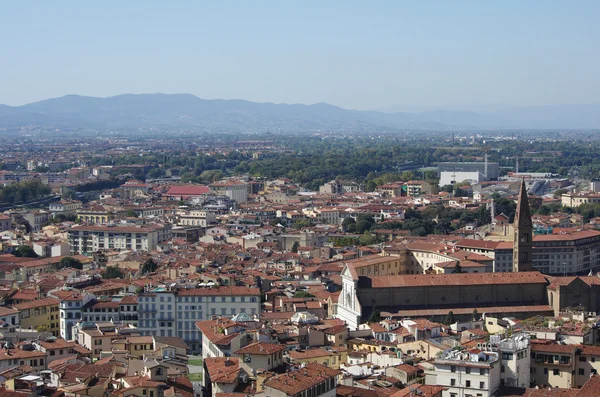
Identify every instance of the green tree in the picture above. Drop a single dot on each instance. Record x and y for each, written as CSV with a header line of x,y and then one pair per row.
x,y
349,224
69,261
295,247
559,192
112,272
368,238
457,268
449,318
375,317
131,214
149,266
301,224
25,251
475,314
371,186
364,222
275,222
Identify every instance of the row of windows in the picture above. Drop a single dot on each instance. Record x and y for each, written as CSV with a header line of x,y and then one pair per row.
x,y
199,299
467,383
453,368
149,323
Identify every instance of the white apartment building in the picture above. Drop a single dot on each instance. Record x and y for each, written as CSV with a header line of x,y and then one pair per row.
x,y
235,190
70,310
472,373
172,312
85,240
196,218
64,207
515,359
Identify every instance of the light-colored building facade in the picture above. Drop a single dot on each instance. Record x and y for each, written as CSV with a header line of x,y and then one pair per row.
x,y
40,314
65,207
86,240
466,373
235,190
175,313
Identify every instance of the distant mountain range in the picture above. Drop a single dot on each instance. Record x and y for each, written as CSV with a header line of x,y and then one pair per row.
x,y
187,111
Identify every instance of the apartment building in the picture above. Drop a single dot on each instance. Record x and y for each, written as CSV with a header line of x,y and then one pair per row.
x,y
515,359
576,199
556,254
70,309
553,364
86,240
98,338
128,310
472,373
22,356
40,314
174,312
260,356
9,316
572,253
36,219
65,207
97,310
222,337
235,190
199,218
5,223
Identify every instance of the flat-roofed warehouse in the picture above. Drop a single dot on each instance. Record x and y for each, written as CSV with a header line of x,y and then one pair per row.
x,y
493,169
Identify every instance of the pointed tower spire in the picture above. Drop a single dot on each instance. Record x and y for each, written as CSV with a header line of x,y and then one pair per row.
x,y
523,233
523,213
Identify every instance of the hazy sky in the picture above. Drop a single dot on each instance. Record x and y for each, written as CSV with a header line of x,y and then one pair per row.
x,y
355,54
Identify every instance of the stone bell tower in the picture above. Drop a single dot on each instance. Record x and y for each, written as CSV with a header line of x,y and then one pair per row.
x,y
523,234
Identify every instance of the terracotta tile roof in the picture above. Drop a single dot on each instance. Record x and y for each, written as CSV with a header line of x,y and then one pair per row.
x,y
57,344
566,237
187,191
295,382
261,348
352,391
548,347
5,311
461,279
19,353
129,300
214,330
479,244
309,353
409,369
591,388
223,369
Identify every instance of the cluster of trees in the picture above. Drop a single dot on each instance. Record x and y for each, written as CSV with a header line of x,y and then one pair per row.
x,y
69,261
587,211
22,192
314,160
99,185
112,272
361,224
149,266
437,219
24,251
